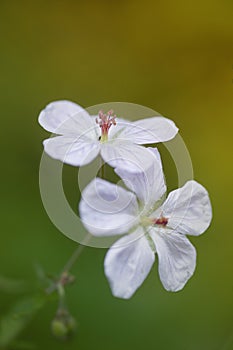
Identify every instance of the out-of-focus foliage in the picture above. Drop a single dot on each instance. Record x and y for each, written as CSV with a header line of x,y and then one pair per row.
x,y
12,286
172,56
17,318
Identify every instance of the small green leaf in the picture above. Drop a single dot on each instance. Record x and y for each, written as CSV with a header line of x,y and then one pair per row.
x,y
18,318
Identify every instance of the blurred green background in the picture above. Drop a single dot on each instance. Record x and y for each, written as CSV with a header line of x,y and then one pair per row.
x,y
173,56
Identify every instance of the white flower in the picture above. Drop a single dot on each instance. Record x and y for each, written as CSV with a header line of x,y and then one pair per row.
x,y
83,137
108,209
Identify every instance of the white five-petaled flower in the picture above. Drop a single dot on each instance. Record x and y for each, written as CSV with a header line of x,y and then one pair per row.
x,y
109,209
82,137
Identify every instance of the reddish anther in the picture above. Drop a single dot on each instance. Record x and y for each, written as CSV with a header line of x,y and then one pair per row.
x,y
161,221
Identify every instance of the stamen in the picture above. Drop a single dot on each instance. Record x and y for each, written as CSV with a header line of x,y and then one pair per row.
x,y
105,121
146,221
162,221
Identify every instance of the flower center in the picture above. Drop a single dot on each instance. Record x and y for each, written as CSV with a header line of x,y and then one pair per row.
x,y
105,121
162,221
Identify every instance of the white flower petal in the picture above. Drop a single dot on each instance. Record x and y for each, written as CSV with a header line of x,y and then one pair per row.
x,y
71,150
177,258
125,154
150,130
127,264
149,184
67,118
116,130
107,209
188,209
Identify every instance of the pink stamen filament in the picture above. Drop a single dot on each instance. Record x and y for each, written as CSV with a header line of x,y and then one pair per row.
x,y
105,121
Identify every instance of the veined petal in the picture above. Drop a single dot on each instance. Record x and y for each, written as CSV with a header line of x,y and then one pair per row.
x,y
116,130
188,209
118,153
67,118
128,263
150,130
107,209
74,151
177,258
148,184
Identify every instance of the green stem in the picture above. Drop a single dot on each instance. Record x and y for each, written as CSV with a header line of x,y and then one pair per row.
x,y
102,169
61,294
72,260
68,266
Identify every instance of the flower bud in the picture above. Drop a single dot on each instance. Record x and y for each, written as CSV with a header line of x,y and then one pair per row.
x,y
63,325
59,329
